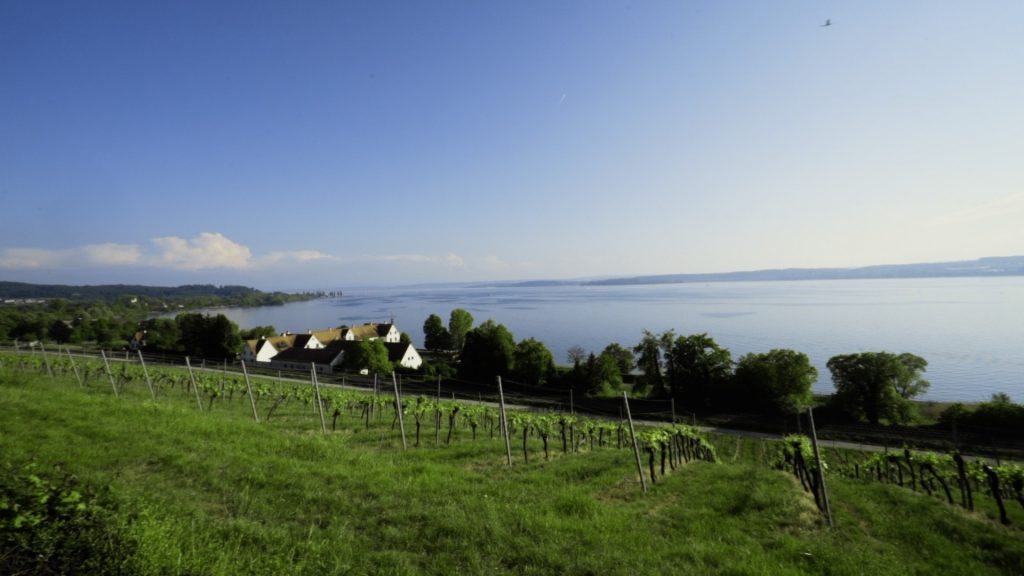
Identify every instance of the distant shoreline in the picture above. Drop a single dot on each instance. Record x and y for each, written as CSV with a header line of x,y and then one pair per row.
x,y
980,268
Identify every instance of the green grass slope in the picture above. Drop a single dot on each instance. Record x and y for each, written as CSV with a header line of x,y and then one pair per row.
x,y
214,493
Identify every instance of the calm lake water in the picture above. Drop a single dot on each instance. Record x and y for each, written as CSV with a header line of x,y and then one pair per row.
x,y
970,330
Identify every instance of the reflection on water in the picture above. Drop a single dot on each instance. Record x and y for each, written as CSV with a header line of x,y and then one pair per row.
x,y
970,330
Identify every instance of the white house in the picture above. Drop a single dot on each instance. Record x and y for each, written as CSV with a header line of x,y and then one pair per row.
x,y
265,349
387,332
326,348
325,358
405,355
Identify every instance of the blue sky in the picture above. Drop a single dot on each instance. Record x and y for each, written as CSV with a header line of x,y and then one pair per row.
x,y
294,145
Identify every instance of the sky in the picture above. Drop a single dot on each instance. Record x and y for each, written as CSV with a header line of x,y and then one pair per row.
x,y
323,144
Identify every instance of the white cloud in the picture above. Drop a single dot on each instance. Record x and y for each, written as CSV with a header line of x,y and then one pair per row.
x,y
206,251
30,258
111,254
294,256
455,261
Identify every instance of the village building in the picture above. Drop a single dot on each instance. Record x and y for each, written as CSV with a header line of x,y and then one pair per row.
x,y
326,348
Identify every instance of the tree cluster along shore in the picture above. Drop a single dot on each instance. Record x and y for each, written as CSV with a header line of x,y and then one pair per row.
x,y
692,370
699,375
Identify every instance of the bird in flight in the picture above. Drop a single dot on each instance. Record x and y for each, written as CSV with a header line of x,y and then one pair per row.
x,y
828,22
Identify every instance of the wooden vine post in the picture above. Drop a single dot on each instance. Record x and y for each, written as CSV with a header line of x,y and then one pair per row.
x,y
821,473
74,367
373,405
248,387
437,415
110,374
146,373
398,406
636,448
504,422
319,402
46,360
192,379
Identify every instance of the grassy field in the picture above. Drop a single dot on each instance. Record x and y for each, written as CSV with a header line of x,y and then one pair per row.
x,y
213,492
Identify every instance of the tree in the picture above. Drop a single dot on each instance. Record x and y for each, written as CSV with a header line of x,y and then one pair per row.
x,y
777,381
435,335
459,323
369,355
208,336
623,357
489,351
648,360
877,385
576,354
533,362
602,374
910,384
162,335
60,331
222,340
697,369
257,332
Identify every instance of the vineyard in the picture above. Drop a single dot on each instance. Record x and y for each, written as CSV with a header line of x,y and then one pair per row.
x,y
591,473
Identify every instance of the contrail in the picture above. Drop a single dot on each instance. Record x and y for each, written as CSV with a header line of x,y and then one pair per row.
x,y
562,99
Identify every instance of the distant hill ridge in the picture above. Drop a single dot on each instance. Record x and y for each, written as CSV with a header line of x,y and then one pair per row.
x,y
992,266
110,292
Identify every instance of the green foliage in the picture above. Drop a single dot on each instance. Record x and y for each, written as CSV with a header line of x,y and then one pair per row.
x,y
257,332
109,315
489,351
533,362
877,385
623,357
50,524
191,295
697,369
778,381
60,331
603,375
208,336
369,355
459,324
999,413
435,335
211,492
648,359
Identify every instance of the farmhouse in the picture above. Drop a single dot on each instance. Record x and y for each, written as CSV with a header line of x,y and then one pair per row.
x,y
326,348
325,358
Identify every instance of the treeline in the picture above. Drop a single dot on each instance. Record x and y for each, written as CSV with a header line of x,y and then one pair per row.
x,y
702,376
191,295
111,315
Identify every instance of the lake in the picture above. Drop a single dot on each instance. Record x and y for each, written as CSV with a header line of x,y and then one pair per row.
x,y
968,329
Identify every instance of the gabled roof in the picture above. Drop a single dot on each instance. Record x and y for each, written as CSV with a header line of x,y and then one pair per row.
x,y
327,336
397,350
328,355
370,330
364,331
280,343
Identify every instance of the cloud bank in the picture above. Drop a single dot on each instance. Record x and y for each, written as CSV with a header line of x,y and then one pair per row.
x,y
215,253
207,251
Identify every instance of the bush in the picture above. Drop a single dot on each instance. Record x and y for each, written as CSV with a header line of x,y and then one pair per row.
x,y
56,527
999,413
